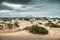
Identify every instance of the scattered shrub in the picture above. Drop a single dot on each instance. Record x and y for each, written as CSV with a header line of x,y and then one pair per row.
x,y
1,27
52,25
48,24
26,28
6,19
16,24
9,26
55,26
37,29
54,20
40,23
58,22
38,18
26,19
45,18
32,21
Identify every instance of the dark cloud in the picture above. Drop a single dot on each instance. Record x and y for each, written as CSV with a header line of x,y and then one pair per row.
x,y
17,1
54,1
5,7
29,1
48,1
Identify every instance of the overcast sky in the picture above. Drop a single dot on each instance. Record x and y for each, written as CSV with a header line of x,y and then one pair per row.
x,y
30,8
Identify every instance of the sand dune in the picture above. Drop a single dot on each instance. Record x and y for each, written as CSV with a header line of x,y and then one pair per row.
x,y
54,33
24,35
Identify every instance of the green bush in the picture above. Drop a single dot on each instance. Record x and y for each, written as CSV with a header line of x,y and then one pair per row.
x,y
55,26
37,29
52,25
49,23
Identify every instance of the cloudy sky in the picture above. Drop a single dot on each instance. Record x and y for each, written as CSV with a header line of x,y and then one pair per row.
x,y
30,8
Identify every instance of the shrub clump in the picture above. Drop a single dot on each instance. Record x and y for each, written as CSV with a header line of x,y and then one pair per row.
x,y
16,24
55,26
9,26
27,19
37,29
52,25
1,27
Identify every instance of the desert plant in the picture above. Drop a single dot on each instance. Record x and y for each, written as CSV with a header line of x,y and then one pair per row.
x,y
27,19
58,22
1,27
6,19
48,24
45,18
9,26
37,29
40,23
49,21
32,21
38,18
16,24
54,20
26,28
54,26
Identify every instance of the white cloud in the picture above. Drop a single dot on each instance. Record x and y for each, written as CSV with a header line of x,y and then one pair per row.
x,y
5,11
11,5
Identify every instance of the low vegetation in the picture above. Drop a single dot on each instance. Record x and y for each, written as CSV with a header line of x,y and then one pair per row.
x,y
9,26
27,19
1,27
40,23
16,24
35,29
52,25
58,22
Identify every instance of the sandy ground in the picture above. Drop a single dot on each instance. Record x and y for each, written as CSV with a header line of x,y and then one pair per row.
x,y
54,33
